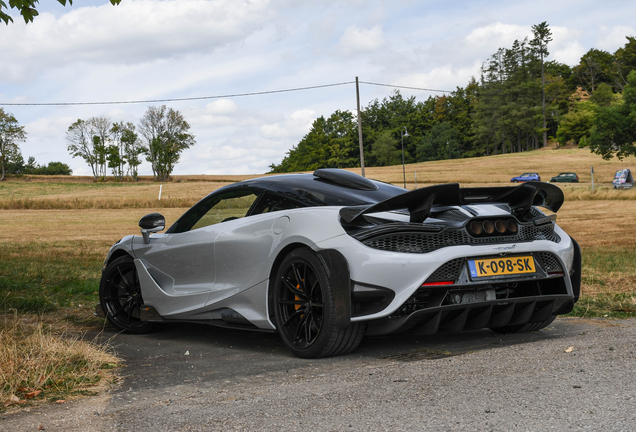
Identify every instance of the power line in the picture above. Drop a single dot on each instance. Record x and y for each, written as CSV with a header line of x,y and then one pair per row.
x,y
213,97
177,99
405,87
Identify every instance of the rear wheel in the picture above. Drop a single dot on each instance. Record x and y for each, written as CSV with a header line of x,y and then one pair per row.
x,y
524,328
120,296
305,310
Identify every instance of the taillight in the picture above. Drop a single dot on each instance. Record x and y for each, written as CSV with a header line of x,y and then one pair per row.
x,y
438,283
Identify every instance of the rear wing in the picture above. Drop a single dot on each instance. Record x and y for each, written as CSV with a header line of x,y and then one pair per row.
x,y
419,202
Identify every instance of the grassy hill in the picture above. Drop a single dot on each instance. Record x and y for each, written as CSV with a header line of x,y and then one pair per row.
x,y
501,168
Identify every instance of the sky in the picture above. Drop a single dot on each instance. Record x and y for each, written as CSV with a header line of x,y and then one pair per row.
x,y
153,49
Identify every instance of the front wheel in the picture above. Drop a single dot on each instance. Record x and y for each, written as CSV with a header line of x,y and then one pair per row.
x,y
305,310
120,296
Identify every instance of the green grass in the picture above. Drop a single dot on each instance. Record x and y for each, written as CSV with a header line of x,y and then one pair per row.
x,y
21,189
608,284
41,277
606,306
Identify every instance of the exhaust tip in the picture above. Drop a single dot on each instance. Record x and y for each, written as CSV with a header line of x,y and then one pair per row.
x,y
500,226
512,226
489,227
475,228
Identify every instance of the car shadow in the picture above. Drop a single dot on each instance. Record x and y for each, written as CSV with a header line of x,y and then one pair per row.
x,y
185,353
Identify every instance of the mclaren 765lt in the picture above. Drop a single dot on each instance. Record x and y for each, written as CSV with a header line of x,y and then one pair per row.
x,y
327,258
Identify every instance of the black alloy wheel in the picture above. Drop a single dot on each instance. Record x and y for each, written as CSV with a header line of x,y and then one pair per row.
x,y
120,296
305,312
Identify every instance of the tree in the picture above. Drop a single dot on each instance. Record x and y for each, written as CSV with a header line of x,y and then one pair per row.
x,y
614,131
54,168
123,153
330,143
624,62
133,149
27,9
101,130
165,132
441,142
577,123
15,164
542,36
10,133
603,95
88,139
594,68
385,151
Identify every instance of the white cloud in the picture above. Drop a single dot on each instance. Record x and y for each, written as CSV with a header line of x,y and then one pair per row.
x,y
497,34
613,38
48,127
570,54
441,78
298,123
135,32
357,40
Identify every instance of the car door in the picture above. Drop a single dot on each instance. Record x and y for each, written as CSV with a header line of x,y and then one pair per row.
x,y
182,261
244,248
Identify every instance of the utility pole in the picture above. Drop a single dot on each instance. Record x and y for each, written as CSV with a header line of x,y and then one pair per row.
x,y
360,128
403,133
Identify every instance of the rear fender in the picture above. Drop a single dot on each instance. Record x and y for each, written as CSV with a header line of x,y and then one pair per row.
x,y
340,282
575,275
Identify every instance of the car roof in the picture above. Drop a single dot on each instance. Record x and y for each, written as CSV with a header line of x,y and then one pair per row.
x,y
325,187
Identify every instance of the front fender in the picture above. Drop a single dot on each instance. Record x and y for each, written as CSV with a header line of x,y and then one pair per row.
x,y
120,248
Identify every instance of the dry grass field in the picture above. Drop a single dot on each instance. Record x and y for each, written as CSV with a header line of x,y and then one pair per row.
x,y
57,230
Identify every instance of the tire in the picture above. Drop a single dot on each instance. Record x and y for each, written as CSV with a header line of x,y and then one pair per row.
x,y
120,297
305,310
524,328
515,181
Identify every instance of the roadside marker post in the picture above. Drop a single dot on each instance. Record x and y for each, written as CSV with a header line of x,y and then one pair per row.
x,y
160,187
592,172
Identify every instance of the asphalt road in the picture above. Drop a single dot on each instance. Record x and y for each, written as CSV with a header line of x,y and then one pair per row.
x,y
577,374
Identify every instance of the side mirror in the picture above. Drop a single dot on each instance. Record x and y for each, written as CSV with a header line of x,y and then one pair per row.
x,y
151,223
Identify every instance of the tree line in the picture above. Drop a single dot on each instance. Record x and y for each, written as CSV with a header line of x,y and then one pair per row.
x,y
108,148
11,160
519,102
161,136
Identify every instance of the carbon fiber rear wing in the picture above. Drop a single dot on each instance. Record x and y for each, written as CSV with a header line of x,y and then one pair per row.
x,y
420,201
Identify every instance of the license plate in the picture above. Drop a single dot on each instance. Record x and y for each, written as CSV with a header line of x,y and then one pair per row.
x,y
501,266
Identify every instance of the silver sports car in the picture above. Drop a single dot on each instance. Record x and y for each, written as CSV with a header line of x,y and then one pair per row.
x,y
329,257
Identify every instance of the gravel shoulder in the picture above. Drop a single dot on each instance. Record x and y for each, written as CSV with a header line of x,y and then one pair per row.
x,y
576,374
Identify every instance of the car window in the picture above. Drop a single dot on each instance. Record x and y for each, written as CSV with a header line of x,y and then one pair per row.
x,y
270,203
217,208
226,209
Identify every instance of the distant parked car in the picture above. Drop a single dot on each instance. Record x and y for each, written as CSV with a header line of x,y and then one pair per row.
x,y
567,177
623,179
526,177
